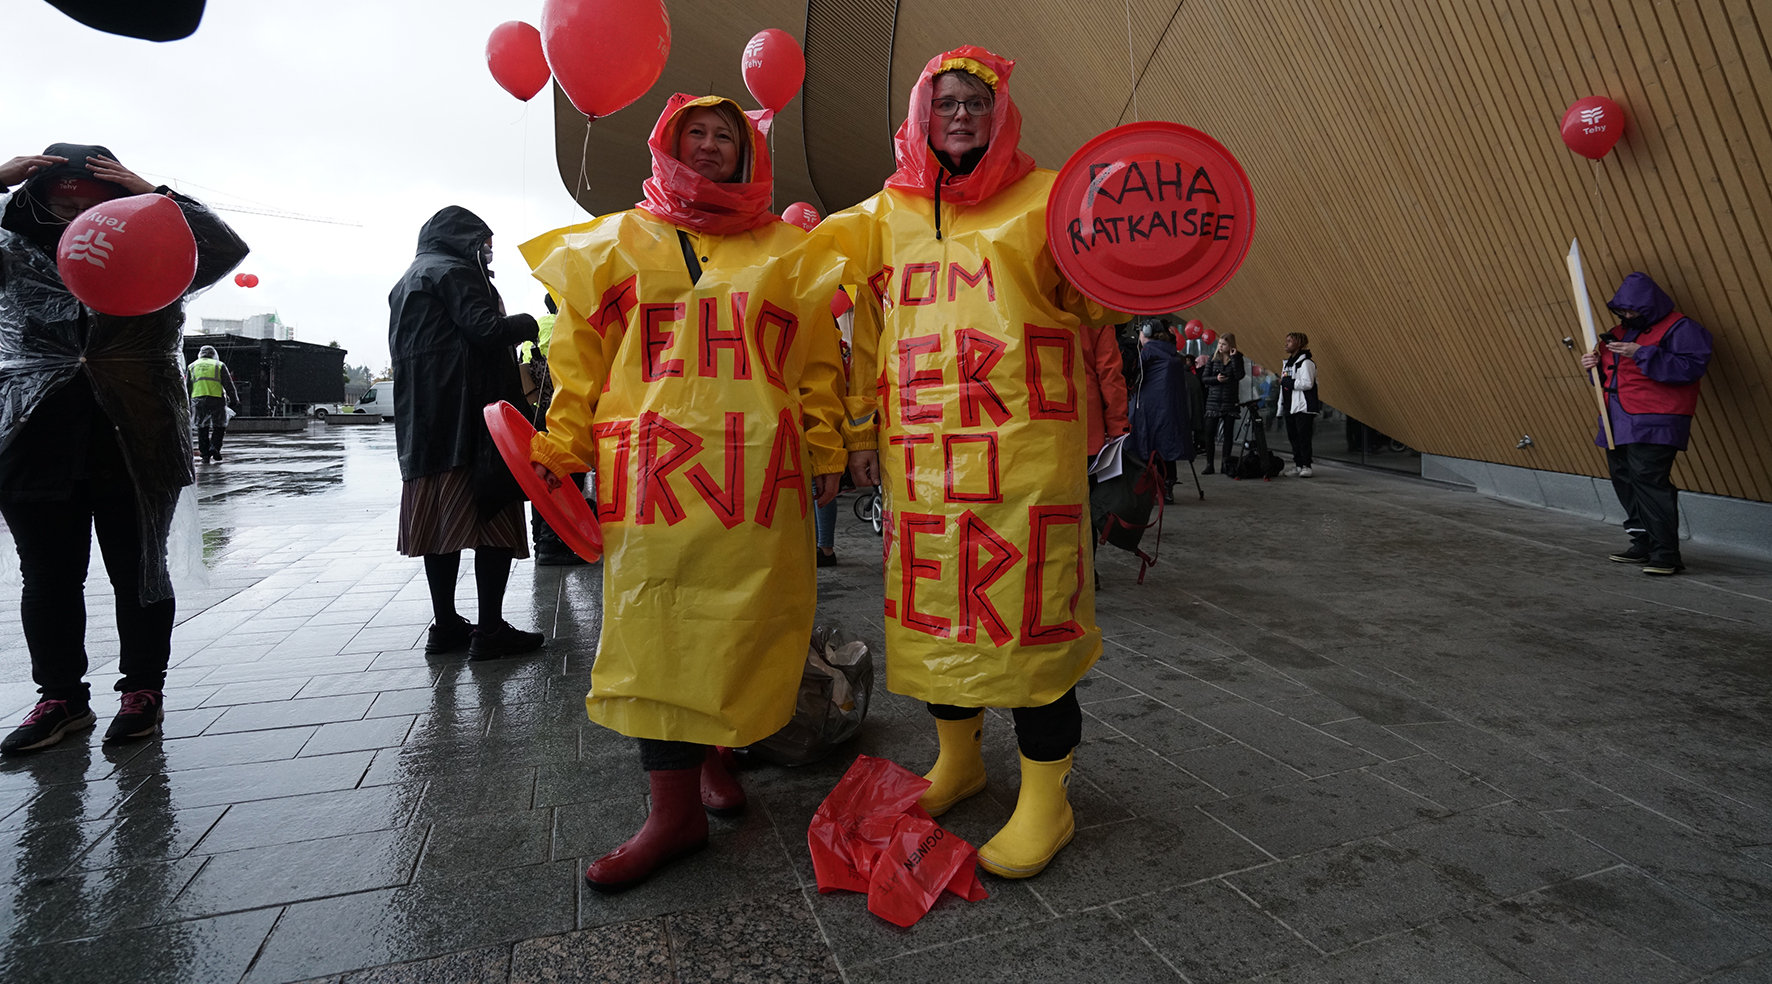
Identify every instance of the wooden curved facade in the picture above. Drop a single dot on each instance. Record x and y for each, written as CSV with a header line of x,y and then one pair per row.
x,y
1415,201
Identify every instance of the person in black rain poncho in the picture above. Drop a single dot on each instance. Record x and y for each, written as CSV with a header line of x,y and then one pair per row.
x,y
454,351
94,432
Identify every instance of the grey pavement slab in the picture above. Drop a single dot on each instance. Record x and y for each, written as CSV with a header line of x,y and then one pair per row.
x,y
1398,732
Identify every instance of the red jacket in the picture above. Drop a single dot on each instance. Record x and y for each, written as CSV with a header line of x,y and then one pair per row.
x,y
1636,392
1107,385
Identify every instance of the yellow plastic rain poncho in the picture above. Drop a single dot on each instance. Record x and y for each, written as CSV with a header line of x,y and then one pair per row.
x,y
705,410
971,337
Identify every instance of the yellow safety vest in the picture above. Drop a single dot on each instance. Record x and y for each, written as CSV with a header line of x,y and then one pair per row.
x,y
206,378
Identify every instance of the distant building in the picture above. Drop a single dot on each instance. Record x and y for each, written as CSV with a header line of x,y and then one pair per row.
x,y
257,326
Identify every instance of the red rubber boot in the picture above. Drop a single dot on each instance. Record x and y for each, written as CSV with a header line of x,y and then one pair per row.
x,y
721,794
676,828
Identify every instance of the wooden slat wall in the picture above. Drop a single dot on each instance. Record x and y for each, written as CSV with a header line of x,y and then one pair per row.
x,y
1414,199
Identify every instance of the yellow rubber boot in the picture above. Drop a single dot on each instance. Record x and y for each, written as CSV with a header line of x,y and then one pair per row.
x,y
1041,825
959,769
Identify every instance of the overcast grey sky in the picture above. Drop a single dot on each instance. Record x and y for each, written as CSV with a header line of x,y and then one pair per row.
x,y
377,112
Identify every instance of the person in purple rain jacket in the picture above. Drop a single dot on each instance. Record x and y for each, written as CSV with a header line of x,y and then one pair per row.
x,y
1650,366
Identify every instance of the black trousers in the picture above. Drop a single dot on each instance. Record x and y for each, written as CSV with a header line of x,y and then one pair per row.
x,y
211,414
1299,430
657,754
54,546
1045,734
1215,425
1641,477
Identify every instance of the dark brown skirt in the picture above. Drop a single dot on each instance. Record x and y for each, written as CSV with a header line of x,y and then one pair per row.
x,y
438,516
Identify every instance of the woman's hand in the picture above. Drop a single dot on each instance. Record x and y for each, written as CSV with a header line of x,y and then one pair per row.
x,y
864,468
105,169
1590,360
541,472
1624,350
19,168
825,487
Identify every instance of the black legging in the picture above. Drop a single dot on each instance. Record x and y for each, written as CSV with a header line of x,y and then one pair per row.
x,y
1045,734
492,571
54,548
1215,423
658,755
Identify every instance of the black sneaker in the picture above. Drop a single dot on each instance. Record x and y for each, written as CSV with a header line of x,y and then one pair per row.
x,y
1208,470
1635,555
142,712
446,637
827,559
506,640
46,724
1667,569
556,557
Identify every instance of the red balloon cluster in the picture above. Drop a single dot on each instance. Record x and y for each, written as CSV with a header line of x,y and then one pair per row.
x,y
1193,329
246,280
801,214
128,256
774,67
1592,126
605,53
514,55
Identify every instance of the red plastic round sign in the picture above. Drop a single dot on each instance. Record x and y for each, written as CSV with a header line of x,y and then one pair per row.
x,y
564,508
1150,218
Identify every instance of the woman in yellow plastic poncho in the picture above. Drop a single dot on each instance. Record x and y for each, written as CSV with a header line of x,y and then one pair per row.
x,y
978,418
690,378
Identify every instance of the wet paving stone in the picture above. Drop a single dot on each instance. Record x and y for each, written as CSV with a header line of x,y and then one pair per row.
x,y
1329,757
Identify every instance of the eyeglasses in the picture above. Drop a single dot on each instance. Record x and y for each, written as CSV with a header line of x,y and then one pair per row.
x,y
979,106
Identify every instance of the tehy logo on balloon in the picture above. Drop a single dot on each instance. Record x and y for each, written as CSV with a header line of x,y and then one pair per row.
x,y
1151,218
90,246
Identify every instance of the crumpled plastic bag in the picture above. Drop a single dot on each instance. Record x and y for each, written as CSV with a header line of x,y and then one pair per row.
x,y
832,703
869,835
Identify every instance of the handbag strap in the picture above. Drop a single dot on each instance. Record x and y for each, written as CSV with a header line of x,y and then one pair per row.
x,y
689,259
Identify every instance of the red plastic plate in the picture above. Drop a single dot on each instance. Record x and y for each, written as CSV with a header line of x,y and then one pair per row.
x,y
1150,218
564,508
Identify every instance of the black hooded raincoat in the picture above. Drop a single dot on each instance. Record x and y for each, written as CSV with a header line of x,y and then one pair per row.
x,y
92,398
453,347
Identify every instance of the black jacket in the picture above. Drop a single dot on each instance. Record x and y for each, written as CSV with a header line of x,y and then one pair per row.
x,y
1221,398
1161,421
89,400
453,347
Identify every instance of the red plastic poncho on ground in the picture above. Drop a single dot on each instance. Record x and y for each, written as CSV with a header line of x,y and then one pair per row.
x,y
869,835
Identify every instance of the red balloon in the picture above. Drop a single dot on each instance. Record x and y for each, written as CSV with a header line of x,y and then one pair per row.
x,y
239,280
605,53
1208,336
1193,329
802,215
252,280
774,66
513,52
1592,125
840,303
128,256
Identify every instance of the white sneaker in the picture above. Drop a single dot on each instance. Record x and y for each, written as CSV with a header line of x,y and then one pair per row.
x,y
1304,472
1294,471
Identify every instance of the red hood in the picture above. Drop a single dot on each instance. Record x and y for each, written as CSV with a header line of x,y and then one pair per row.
x,y
678,194
1003,163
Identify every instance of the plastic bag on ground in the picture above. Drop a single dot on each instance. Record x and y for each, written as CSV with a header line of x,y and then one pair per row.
x,y
835,688
869,835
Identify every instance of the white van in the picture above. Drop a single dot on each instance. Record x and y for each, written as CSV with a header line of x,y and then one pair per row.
x,y
379,398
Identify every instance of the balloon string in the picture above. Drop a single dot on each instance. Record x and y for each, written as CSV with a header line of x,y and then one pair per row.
x,y
584,154
525,169
1131,62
